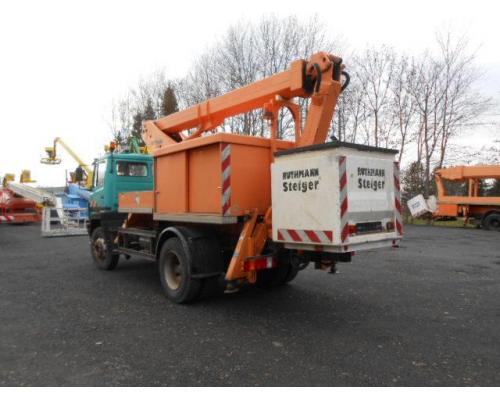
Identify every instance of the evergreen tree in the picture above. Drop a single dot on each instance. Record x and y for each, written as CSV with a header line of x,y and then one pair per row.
x,y
413,181
118,137
149,112
169,102
137,125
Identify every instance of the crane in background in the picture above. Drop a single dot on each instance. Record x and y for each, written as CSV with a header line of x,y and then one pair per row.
x,y
83,172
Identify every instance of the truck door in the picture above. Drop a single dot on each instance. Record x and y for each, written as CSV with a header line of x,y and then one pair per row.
x,y
131,176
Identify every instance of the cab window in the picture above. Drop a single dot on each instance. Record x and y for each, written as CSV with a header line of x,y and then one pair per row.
x,y
124,168
100,173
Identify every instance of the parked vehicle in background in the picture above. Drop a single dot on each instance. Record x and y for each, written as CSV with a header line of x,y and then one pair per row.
x,y
472,205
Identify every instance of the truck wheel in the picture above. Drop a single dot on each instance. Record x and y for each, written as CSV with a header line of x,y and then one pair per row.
x,y
101,249
175,274
492,222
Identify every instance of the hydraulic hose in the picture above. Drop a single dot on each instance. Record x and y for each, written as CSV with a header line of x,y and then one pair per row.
x,y
347,80
318,77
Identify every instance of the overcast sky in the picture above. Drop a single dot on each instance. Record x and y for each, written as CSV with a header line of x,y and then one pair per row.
x,y
63,62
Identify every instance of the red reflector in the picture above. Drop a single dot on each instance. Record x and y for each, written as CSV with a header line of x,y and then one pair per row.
x,y
353,229
256,263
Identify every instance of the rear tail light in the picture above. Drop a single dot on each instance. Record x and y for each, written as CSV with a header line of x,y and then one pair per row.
x,y
390,225
261,262
353,229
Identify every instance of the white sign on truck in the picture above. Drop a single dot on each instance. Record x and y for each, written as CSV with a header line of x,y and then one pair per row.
x,y
342,197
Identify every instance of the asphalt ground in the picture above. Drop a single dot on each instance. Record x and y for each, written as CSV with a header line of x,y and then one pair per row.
x,y
427,313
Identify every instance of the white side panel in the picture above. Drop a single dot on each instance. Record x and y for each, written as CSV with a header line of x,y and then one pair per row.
x,y
370,187
305,194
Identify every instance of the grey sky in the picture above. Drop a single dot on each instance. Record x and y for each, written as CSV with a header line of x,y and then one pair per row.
x,y
63,62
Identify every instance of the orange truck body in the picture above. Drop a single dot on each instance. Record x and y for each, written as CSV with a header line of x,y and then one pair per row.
x,y
195,183
472,205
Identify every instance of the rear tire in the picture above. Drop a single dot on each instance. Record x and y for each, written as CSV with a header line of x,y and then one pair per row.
x,y
175,273
492,222
101,248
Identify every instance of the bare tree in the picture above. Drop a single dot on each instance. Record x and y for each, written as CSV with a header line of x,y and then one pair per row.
x,y
424,89
418,104
120,122
351,113
403,104
375,71
249,52
127,111
462,104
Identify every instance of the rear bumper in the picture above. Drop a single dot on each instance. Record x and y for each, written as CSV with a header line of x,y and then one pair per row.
x,y
360,243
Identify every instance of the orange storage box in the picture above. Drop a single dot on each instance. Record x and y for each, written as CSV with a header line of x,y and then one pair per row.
x,y
222,175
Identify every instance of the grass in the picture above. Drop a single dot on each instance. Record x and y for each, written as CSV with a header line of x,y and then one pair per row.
x,y
458,223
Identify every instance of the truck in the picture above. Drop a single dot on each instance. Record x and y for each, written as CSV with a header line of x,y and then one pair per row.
x,y
484,209
14,208
228,210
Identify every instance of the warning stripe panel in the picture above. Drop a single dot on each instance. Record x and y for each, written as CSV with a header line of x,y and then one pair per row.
x,y
226,177
344,200
305,236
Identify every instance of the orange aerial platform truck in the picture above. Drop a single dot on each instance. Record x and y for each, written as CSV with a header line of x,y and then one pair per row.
x,y
229,209
482,208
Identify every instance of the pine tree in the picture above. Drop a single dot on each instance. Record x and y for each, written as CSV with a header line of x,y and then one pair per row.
x,y
413,181
118,137
169,102
137,125
149,112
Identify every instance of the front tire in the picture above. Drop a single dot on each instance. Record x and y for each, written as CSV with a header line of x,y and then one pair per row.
x,y
101,248
175,273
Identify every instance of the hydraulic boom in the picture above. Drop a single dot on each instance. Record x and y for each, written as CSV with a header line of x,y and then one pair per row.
x,y
319,78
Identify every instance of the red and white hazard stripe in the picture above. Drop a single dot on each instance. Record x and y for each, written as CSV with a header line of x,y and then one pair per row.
x,y
397,200
226,177
6,218
344,202
305,236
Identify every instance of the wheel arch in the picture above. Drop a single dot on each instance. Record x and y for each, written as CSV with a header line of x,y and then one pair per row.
x,y
488,213
92,225
168,233
201,247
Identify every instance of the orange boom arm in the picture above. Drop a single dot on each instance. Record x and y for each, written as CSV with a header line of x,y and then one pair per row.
x,y
318,79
